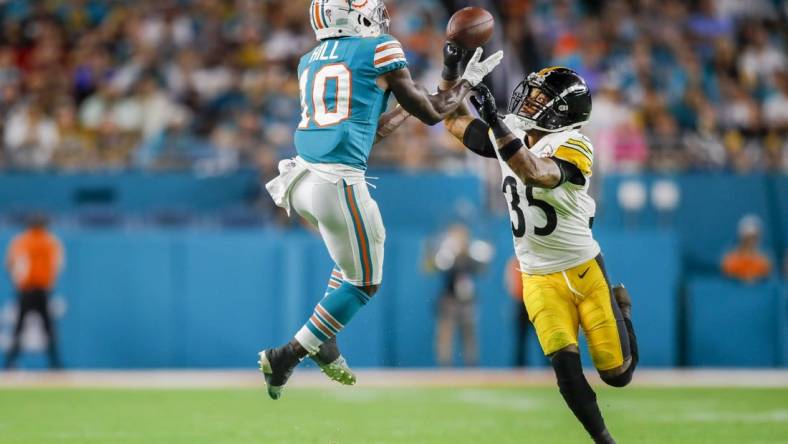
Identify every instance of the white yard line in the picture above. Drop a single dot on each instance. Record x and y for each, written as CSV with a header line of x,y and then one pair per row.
x,y
218,379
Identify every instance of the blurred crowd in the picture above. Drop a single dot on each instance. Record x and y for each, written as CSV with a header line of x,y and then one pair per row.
x,y
678,85
210,84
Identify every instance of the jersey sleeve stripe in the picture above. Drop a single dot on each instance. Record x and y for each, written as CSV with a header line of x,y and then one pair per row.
x,y
389,60
578,147
580,150
575,156
580,144
387,45
388,52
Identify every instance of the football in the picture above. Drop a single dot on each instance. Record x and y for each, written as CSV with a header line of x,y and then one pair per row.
x,y
470,27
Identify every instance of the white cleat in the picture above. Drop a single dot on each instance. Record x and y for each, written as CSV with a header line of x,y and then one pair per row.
x,y
333,364
338,371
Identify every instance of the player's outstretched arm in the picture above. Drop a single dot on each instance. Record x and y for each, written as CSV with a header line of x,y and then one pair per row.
x,y
417,101
432,109
469,130
453,55
452,69
390,121
532,170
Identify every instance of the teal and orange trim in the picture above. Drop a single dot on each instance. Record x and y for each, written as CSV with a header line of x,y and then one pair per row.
x,y
362,239
318,16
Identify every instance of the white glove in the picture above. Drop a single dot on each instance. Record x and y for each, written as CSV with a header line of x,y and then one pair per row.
x,y
476,70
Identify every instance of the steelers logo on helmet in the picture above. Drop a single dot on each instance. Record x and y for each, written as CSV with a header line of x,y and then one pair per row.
x,y
551,100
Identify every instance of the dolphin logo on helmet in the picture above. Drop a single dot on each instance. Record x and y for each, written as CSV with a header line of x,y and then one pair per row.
x,y
343,18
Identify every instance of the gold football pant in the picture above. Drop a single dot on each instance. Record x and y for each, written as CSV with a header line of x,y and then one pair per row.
x,y
559,303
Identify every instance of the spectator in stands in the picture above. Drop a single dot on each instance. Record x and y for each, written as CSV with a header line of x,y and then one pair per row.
x,y
34,261
31,136
746,262
460,260
75,150
10,74
760,59
620,143
155,106
775,107
124,65
704,145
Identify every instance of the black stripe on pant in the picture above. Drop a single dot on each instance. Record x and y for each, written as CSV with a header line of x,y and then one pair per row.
x,y
620,325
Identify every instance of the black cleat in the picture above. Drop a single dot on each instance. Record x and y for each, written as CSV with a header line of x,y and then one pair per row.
x,y
604,438
333,364
277,364
621,294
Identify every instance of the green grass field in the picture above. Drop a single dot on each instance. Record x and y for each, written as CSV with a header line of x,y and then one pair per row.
x,y
396,415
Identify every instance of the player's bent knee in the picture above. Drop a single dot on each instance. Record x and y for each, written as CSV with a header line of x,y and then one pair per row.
x,y
621,380
618,377
370,290
571,348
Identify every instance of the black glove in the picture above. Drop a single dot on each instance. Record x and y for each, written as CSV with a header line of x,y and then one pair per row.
x,y
484,102
453,56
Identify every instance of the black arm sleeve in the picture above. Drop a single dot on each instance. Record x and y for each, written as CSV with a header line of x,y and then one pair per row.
x,y
569,173
477,139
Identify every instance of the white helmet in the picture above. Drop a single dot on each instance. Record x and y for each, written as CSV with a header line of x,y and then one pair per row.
x,y
341,18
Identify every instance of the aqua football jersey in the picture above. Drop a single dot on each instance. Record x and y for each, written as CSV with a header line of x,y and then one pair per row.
x,y
340,99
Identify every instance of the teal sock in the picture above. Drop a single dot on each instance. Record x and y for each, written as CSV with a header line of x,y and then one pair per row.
x,y
331,315
334,282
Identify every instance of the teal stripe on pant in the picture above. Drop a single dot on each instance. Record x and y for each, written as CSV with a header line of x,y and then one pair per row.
x,y
362,238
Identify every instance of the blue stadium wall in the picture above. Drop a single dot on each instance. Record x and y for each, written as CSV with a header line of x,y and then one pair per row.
x,y
197,297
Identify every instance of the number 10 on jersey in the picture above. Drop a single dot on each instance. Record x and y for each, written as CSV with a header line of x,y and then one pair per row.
x,y
321,113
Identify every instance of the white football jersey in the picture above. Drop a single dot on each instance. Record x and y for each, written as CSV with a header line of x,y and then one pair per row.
x,y
552,227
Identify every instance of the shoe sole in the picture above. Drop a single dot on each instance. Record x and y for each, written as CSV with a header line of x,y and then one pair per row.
x,y
338,373
265,367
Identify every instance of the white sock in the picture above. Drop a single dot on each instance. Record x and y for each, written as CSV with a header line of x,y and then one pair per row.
x,y
308,340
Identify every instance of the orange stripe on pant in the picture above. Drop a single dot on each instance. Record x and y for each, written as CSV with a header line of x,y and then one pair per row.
x,y
365,263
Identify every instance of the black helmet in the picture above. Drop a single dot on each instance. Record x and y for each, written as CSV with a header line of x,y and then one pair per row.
x,y
565,102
